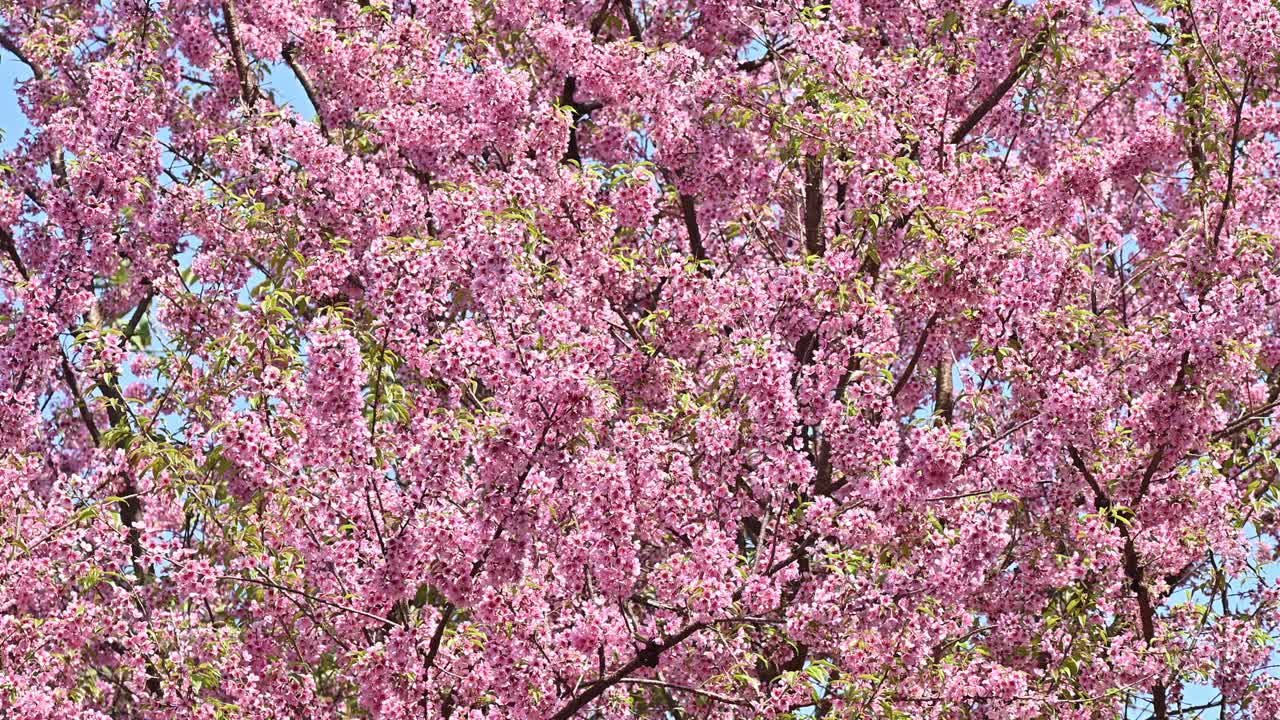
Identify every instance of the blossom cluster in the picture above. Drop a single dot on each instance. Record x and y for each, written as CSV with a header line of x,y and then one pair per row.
x,y
550,359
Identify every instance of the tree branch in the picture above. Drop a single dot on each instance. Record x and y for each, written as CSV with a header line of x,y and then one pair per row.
x,y
814,242
915,357
1134,572
434,648
248,85
577,111
685,688
307,595
290,53
689,209
943,391
633,25
1228,195
1026,57
37,70
645,658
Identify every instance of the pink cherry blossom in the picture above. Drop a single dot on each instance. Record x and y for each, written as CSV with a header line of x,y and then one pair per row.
x,y
534,360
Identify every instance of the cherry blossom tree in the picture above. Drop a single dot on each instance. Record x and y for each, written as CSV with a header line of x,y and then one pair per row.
x,y
640,358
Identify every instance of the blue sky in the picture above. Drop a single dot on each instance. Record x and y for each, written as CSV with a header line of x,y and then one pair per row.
x,y
12,121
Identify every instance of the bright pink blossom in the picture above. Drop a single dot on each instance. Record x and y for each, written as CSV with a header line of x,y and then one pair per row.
x,y
639,358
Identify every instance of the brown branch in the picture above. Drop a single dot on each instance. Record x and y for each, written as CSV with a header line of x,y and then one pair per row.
x,y
1157,457
1025,58
86,415
248,86
964,462
1154,464
1245,420
1098,105
685,688
1228,195
1100,499
434,648
648,657
633,25
943,391
689,209
770,54
139,312
1134,572
1193,102
11,249
915,357
68,375
118,413
307,595
577,111
814,242
290,54
645,658
37,70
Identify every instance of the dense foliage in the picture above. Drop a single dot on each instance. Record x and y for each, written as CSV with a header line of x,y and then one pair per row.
x,y
639,358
